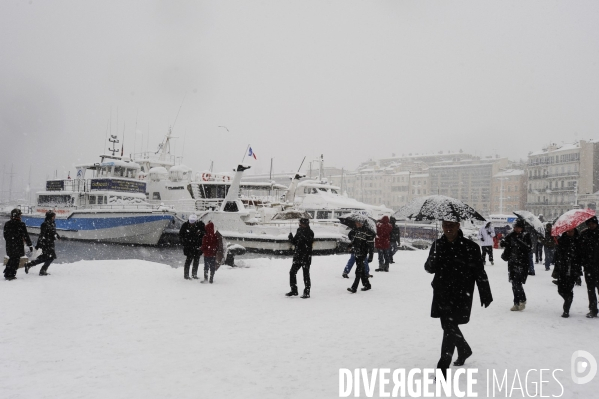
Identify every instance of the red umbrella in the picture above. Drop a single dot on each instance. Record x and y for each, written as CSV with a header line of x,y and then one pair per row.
x,y
570,220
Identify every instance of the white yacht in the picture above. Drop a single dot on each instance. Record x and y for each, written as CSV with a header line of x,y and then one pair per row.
x,y
266,228
105,202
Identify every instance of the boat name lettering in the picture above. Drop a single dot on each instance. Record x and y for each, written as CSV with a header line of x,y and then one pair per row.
x,y
55,185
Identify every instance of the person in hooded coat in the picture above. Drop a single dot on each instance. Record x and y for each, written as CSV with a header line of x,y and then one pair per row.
x,y
190,235
517,251
395,237
568,262
590,261
15,235
45,242
485,235
209,248
362,240
457,265
382,243
302,257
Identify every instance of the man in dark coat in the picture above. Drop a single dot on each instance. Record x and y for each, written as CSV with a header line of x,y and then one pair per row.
x,y
395,237
15,234
190,235
568,263
549,244
302,257
457,265
362,247
45,242
517,254
590,261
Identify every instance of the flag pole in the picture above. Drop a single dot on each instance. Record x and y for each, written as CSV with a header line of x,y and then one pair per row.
x,y
245,153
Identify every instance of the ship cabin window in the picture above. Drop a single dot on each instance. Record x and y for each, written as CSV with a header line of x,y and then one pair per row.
x,y
156,196
323,214
215,191
92,200
334,191
101,200
322,189
60,200
311,213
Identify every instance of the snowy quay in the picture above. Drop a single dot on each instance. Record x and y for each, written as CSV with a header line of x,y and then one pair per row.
x,y
131,328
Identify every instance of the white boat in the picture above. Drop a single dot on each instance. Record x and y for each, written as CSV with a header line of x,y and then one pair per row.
x,y
108,205
266,229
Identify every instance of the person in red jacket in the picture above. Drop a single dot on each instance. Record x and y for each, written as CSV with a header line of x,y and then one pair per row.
x,y
209,248
382,243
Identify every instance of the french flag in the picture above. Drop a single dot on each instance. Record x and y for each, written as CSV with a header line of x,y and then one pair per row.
x,y
252,154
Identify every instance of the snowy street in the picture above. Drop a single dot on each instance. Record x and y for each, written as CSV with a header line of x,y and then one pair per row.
x,y
136,329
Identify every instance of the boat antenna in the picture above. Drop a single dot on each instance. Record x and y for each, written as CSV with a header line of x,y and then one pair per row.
x,y
176,117
106,135
135,132
300,167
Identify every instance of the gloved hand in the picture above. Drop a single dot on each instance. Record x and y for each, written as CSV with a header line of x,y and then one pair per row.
x,y
578,281
290,236
502,243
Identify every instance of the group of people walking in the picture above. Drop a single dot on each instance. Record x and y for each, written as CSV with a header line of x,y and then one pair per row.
x,y
17,238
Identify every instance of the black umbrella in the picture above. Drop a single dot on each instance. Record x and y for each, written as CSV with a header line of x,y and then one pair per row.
x,y
351,219
437,207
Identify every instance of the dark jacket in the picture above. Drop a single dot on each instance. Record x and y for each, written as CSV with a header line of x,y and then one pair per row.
x,y
209,242
395,234
191,235
362,242
568,259
548,241
16,236
303,240
516,253
457,267
46,239
383,234
589,240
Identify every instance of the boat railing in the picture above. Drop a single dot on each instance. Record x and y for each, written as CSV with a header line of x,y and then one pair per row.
x,y
205,204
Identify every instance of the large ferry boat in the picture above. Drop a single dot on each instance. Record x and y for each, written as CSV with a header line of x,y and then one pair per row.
x,y
106,201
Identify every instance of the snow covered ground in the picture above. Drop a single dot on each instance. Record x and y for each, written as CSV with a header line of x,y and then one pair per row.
x,y
136,329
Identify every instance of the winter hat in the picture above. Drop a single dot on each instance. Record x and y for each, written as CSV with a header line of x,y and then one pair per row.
x,y
50,214
193,218
15,213
304,221
520,223
593,220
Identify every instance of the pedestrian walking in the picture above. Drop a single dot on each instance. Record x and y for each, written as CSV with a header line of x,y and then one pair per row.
x,y
191,235
209,248
569,267
395,238
352,260
16,237
45,242
362,240
486,235
590,262
549,244
457,265
302,257
517,251
382,243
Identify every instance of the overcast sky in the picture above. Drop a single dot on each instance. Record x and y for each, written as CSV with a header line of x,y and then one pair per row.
x,y
349,79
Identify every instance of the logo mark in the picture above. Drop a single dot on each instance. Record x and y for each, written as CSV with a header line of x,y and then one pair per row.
x,y
583,362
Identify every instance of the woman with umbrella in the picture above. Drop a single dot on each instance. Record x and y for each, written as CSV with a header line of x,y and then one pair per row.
x,y
568,265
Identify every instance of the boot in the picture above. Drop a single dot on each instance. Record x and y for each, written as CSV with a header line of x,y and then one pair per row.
x,y
353,291
186,277
345,275
195,277
43,273
567,304
492,263
462,359
591,315
293,292
380,269
205,276
522,305
306,294
27,266
515,307
365,288
386,267
211,278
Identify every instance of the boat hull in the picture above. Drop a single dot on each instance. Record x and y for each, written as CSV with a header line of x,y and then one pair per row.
x,y
282,246
122,228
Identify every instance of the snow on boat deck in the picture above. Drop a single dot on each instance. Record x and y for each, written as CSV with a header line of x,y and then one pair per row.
x,y
136,329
